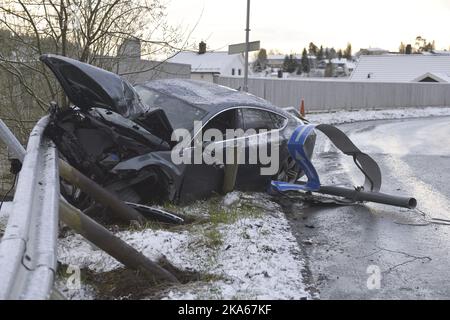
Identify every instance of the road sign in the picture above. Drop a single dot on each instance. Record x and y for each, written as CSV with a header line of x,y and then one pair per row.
x,y
240,47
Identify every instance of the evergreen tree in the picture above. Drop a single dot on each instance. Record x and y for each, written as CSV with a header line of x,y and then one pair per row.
x,y
340,54
257,66
333,53
305,62
320,54
313,49
286,63
289,64
329,70
327,54
260,63
348,52
408,49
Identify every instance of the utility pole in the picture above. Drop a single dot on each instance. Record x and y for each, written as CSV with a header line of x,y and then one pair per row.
x,y
247,47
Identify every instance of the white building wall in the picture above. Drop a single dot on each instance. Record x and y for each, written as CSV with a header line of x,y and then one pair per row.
x,y
204,76
237,64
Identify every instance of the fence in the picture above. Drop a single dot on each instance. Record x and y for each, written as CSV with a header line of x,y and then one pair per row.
x,y
323,95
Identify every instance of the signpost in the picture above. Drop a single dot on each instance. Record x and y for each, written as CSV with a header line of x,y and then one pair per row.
x,y
241,47
245,47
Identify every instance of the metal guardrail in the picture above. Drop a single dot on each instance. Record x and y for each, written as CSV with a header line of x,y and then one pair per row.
x,y
28,247
11,141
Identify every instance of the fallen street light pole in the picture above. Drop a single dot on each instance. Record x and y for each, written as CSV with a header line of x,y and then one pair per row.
x,y
115,247
117,207
361,196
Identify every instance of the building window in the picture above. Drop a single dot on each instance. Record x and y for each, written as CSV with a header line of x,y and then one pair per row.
x,y
239,71
232,72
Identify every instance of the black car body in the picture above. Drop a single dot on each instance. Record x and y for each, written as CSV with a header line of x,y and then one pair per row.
x,y
120,136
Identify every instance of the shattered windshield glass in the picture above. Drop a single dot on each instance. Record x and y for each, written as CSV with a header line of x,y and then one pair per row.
x,y
131,106
179,113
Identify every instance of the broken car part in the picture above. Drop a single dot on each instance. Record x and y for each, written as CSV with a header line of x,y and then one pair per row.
x,y
370,191
156,213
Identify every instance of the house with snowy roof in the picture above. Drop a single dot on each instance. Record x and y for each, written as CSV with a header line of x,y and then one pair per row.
x,y
403,68
371,52
205,65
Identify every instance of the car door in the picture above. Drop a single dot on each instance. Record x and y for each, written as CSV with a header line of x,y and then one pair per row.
x,y
262,127
203,179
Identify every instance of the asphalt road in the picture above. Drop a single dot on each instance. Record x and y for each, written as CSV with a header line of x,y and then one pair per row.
x,y
374,251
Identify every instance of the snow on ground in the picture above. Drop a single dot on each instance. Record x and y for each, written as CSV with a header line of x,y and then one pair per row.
x,y
248,255
4,215
364,115
251,255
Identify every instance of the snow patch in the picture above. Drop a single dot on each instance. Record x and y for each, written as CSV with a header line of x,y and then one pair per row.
x,y
86,292
340,117
75,250
4,215
257,257
230,199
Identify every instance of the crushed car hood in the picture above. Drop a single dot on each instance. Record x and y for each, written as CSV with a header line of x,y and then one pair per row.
x,y
87,86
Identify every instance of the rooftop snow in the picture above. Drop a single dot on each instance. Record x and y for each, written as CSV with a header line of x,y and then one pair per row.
x,y
399,68
441,52
375,49
339,61
282,56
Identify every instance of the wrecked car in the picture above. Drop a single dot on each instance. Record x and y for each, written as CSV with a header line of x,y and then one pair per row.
x,y
122,136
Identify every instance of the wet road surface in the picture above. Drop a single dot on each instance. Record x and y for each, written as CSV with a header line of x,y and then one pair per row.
x,y
374,251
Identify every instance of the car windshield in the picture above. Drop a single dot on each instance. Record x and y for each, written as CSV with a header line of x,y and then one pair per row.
x,y
179,113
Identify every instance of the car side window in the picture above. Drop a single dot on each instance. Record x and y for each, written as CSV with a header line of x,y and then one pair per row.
x,y
229,119
261,119
278,121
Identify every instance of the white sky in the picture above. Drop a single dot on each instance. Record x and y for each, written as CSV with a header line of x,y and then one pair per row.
x,y
289,25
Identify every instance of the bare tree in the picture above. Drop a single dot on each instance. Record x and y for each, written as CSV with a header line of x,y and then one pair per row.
x,y
92,31
88,30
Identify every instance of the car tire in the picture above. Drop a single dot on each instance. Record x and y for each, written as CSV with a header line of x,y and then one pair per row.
x,y
289,171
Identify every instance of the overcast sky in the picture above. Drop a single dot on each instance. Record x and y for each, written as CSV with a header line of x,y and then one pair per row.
x,y
289,25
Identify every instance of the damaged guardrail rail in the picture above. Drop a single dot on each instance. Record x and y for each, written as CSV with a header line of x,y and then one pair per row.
x,y
28,247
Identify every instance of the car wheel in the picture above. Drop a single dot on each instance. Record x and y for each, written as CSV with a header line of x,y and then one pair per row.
x,y
289,171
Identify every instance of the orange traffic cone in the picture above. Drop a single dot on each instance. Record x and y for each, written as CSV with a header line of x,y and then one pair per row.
x,y
302,108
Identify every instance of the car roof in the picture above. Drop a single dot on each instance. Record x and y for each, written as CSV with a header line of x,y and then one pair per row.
x,y
208,96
